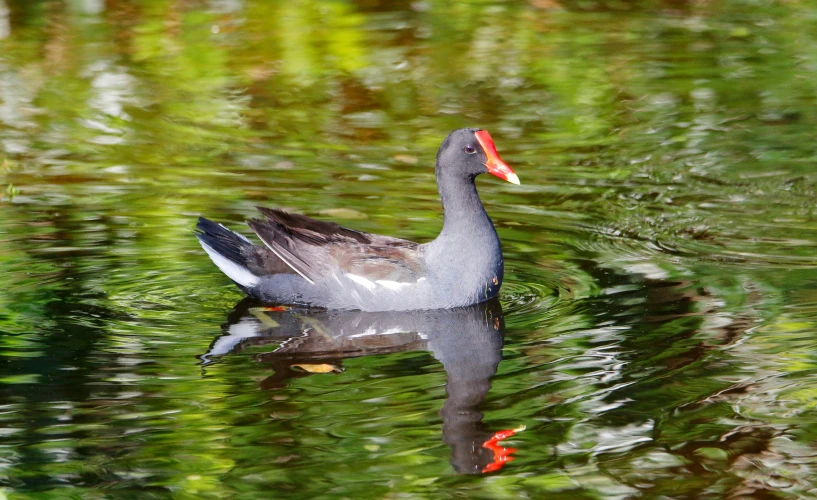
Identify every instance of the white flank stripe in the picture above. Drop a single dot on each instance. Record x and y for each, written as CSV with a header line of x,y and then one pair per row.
x,y
360,280
372,331
239,274
392,285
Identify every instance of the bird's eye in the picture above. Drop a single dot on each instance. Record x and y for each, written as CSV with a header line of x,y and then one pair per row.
x,y
470,149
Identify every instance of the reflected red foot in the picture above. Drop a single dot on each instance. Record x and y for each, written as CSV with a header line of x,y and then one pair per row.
x,y
502,455
275,309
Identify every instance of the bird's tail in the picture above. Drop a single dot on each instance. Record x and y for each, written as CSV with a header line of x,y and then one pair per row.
x,y
228,251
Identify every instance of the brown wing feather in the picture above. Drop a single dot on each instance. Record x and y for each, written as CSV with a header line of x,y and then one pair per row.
x,y
262,261
283,246
376,262
317,232
312,230
314,248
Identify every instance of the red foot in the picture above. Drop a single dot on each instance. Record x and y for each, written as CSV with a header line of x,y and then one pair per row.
x,y
502,455
275,309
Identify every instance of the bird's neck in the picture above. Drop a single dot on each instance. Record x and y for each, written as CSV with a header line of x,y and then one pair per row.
x,y
464,217
466,257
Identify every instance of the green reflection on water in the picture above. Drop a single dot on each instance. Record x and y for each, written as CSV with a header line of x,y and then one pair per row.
x,y
659,298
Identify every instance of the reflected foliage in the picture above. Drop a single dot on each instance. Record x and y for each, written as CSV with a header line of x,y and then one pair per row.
x,y
659,299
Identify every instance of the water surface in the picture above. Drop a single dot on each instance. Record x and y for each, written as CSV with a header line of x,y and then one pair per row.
x,y
655,334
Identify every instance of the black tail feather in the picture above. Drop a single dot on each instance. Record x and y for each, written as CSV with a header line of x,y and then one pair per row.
x,y
227,243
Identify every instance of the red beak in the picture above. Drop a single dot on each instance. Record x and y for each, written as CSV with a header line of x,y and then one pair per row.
x,y
495,165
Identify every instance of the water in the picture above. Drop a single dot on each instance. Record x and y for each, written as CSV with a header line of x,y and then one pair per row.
x,y
655,334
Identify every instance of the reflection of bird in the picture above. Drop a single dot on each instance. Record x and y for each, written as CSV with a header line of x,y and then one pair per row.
x,y
467,341
310,262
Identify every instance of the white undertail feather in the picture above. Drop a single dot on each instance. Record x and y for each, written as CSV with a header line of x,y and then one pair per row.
x,y
235,272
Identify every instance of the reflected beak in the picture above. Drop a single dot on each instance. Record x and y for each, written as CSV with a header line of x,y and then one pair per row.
x,y
494,164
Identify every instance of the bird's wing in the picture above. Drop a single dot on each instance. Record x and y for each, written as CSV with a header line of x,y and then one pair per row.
x,y
314,249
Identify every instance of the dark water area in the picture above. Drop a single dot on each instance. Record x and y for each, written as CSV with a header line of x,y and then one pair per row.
x,y
655,335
